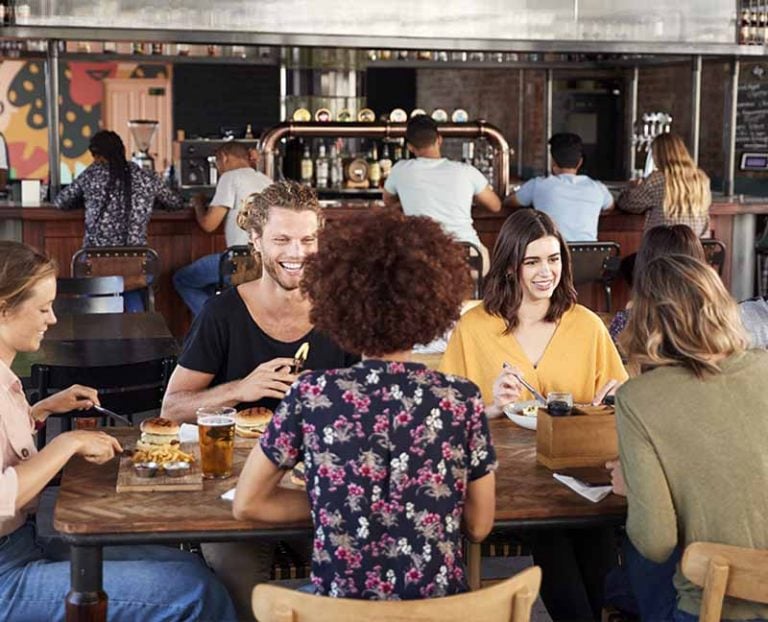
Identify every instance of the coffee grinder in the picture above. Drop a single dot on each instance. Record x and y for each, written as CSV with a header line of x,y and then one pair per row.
x,y
143,131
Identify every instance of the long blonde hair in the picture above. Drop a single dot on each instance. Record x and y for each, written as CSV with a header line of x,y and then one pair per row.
x,y
682,315
686,187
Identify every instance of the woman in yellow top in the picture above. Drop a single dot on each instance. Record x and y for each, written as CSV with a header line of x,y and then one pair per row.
x,y
529,318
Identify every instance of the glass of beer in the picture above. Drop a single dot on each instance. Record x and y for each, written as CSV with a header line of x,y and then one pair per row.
x,y
216,428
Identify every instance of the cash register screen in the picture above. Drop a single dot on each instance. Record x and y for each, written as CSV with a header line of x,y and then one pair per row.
x,y
754,162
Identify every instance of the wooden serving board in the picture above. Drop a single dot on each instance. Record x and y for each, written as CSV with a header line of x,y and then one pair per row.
x,y
128,481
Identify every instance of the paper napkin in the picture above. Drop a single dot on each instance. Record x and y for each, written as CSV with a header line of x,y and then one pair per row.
x,y
188,433
229,495
593,493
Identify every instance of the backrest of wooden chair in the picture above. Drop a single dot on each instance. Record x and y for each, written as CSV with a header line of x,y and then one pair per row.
x,y
237,265
90,286
508,601
138,265
723,570
474,259
88,304
714,251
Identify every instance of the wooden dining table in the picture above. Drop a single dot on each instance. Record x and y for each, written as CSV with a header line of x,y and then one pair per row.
x,y
92,340
90,514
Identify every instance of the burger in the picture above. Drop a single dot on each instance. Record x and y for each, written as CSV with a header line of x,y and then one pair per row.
x,y
299,475
158,432
252,422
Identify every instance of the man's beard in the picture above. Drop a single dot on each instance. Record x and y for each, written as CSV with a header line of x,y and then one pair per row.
x,y
271,267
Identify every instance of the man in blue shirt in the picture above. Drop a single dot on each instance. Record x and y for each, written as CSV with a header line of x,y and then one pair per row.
x,y
573,201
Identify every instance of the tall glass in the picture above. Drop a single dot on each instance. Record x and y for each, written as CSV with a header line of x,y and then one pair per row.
x,y
216,429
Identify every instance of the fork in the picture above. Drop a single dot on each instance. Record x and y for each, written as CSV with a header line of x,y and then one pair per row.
x,y
537,396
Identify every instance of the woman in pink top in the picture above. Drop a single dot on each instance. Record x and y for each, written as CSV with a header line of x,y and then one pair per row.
x,y
33,585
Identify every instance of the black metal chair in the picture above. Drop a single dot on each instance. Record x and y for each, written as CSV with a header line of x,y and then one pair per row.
x,y
475,261
138,265
596,262
125,389
97,294
237,265
715,250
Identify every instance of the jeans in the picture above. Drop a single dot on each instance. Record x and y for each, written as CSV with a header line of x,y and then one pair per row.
x,y
651,583
147,583
197,282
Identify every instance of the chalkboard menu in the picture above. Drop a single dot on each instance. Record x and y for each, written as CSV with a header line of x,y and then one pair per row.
x,y
752,116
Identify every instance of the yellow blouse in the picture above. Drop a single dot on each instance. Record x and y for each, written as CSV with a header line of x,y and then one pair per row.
x,y
579,359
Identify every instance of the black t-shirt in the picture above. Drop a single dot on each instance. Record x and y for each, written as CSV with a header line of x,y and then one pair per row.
x,y
226,342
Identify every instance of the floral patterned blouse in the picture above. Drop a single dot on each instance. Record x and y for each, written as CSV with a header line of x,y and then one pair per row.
x,y
107,221
389,449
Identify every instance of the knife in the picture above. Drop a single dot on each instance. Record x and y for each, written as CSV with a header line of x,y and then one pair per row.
x,y
108,413
537,396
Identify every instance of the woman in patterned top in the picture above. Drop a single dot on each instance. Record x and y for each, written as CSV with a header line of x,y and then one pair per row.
x,y
118,196
676,193
397,456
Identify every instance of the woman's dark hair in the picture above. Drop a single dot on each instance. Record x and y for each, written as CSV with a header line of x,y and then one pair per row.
x,y
503,294
666,240
109,145
383,282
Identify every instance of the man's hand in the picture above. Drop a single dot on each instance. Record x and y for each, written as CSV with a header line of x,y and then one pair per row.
x,y
76,397
270,379
617,477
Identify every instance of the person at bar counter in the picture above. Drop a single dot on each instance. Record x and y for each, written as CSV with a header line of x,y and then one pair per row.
x,y
574,202
676,193
118,198
143,583
240,347
702,385
197,282
397,456
529,319
431,185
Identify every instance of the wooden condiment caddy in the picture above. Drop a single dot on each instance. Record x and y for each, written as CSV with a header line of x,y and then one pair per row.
x,y
585,438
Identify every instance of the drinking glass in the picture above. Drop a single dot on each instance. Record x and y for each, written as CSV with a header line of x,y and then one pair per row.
x,y
216,429
559,404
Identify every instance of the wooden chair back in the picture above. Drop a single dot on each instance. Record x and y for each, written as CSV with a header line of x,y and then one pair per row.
x,y
595,262
237,265
474,259
138,265
508,601
723,570
714,251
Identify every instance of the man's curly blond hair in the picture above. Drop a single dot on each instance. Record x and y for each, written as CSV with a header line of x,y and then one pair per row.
x,y
283,194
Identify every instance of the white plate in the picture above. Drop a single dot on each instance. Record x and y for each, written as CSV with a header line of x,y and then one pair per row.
x,y
515,413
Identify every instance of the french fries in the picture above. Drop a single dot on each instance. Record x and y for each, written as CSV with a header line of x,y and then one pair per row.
x,y
161,455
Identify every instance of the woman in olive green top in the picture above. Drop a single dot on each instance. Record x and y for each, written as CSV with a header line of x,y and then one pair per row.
x,y
692,430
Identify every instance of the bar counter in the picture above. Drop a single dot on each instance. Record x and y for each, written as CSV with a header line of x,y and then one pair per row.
x,y
178,240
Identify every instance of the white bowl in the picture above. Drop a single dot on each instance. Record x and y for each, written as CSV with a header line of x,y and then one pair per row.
x,y
515,413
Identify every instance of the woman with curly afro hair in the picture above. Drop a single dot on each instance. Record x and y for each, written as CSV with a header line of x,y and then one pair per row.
x,y
397,456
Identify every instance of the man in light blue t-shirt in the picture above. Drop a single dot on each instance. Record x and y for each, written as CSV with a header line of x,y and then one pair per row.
x,y
431,185
573,201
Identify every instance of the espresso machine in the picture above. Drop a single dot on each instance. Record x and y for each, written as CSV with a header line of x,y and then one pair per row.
x,y
143,131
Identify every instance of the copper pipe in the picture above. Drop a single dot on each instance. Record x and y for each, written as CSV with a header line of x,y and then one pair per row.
x,y
271,138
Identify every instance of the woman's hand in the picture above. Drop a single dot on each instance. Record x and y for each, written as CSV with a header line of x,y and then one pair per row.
x,y
76,397
96,447
506,390
609,388
617,477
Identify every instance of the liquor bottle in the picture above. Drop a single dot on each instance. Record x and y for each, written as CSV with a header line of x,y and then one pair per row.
x,y
306,167
744,27
321,168
138,47
754,27
9,15
397,153
374,170
157,48
249,131
385,164
336,172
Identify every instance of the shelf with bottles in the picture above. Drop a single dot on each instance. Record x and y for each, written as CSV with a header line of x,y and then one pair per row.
x,y
357,157
753,22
